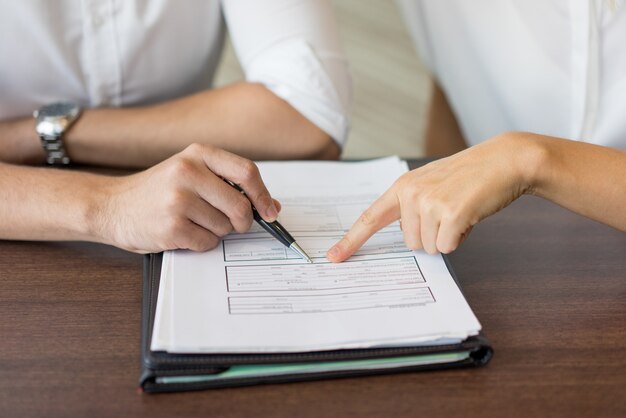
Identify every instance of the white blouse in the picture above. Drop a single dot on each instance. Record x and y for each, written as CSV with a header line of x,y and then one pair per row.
x,y
133,52
555,67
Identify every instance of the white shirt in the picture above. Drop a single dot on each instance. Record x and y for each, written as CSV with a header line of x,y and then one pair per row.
x,y
555,67
134,52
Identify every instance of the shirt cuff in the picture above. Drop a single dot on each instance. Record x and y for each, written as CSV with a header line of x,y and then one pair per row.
x,y
291,70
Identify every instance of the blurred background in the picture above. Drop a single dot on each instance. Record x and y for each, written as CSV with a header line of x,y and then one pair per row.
x,y
391,87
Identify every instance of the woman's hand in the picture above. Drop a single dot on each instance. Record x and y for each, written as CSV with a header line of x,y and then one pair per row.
x,y
439,203
182,202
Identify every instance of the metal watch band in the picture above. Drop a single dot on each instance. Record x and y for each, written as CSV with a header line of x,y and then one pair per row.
x,y
55,150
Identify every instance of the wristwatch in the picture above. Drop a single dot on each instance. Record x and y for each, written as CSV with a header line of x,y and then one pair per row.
x,y
52,121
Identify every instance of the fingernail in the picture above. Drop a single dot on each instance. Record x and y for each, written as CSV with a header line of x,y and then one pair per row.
x,y
271,212
334,251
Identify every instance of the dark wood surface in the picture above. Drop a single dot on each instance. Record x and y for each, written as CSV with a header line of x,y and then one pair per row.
x,y
548,286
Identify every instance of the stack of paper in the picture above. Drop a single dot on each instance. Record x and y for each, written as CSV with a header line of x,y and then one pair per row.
x,y
252,295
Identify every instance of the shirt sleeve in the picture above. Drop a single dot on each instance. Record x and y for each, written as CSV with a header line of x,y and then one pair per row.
x,y
292,47
413,14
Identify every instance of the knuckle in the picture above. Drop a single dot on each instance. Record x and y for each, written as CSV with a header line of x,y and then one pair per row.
x,y
174,201
264,200
195,240
453,216
430,206
194,149
242,208
243,226
208,243
367,218
248,170
409,201
413,194
223,228
401,182
241,215
409,196
182,167
407,184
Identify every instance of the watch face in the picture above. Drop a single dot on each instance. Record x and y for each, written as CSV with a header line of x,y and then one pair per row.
x,y
54,119
59,109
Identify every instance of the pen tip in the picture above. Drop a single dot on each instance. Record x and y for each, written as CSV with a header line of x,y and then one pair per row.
x,y
294,246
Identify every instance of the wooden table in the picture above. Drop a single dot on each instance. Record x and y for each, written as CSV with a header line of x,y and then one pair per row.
x,y
548,286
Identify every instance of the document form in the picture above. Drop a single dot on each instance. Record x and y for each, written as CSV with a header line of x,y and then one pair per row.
x,y
252,294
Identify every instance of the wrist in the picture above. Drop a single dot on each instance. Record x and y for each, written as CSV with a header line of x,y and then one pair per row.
x,y
531,159
95,214
20,142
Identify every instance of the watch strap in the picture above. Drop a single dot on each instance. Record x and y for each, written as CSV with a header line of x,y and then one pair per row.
x,y
55,150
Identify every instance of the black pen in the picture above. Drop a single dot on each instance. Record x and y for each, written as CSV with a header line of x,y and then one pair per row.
x,y
275,228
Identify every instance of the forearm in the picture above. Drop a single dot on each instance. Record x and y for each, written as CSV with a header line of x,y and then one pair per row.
x,y
585,178
47,204
246,119
440,202
181,203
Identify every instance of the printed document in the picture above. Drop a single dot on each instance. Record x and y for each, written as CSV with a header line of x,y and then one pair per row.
x,y
251,294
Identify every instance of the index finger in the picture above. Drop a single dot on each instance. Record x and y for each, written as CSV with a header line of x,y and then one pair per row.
x,y
381,213
246,175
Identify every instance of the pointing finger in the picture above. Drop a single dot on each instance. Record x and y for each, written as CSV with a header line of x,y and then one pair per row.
x,y
380,214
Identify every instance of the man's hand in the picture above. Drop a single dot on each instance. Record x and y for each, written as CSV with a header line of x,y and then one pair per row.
x,y
438,204
182,202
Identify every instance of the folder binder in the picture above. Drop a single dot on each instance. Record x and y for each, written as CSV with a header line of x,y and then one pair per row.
x,y
168,372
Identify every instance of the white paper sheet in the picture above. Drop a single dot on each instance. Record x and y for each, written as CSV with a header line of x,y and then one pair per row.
x,y
251,294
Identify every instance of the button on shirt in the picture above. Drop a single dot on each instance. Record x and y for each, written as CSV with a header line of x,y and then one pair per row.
x,y
103,53
553,67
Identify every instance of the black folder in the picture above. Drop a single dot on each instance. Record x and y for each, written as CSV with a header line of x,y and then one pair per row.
x,y
169,372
